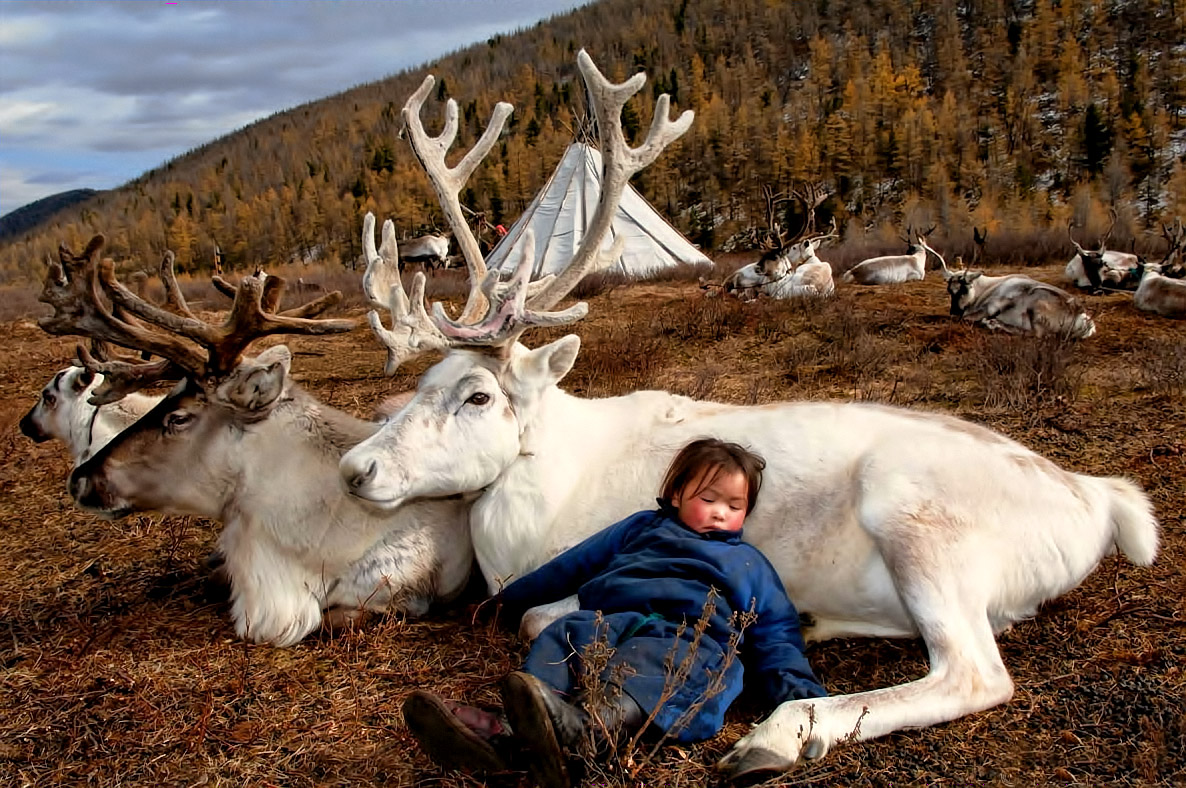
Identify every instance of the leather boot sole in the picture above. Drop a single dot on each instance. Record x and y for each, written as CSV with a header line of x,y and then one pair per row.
x,y
447,740
533,728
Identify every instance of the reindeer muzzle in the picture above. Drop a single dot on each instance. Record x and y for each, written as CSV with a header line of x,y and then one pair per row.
x,y
30,429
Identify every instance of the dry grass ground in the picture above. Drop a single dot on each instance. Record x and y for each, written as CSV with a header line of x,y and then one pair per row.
x,y
118,666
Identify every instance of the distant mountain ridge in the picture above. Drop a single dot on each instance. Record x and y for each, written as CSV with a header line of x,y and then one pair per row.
x,y
30,216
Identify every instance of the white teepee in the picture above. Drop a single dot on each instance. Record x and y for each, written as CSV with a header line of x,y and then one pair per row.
x,y
560,213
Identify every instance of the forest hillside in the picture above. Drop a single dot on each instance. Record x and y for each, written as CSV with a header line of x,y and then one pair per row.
x,y
1014,115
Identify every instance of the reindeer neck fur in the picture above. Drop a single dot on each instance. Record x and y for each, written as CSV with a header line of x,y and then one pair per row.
x,y
285,468
296,543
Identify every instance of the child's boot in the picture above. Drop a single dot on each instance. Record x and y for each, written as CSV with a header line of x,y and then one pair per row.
x,y
544,725
457,736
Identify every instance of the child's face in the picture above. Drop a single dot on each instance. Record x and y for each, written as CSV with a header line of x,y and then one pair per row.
x,y
720,506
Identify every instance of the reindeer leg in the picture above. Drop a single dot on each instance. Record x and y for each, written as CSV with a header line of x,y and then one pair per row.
x,y
966,672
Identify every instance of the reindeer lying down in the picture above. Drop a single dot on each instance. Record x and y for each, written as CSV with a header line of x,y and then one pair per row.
x,y
867,512
1017,304
237,440
63,412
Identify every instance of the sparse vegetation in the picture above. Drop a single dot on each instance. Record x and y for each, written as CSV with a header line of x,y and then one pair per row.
x,y
118,665
1024,374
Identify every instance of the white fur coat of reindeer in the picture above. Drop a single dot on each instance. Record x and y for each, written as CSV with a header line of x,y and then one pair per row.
x,y
867,511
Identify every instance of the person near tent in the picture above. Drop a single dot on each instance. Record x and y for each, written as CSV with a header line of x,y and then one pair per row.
x,y
674,586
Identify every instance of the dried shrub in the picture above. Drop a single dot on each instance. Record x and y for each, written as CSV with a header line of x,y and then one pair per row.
x,y
684,272
599,686
700,385
850,349
1162,367
777,319
625,357
801,359
604,282
599,283
703,320
1024,373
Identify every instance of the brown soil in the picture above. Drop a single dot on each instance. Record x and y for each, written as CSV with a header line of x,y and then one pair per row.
x,y
118,665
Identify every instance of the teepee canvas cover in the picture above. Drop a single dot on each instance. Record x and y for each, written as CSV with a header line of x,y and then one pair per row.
x,y
559,215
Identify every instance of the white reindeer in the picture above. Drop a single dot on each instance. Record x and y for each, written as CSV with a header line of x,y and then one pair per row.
x,y
63,412
1160,294
238,441
892,269
1015,304
1095,269
745,283
431,251
786,272
868,512
800,273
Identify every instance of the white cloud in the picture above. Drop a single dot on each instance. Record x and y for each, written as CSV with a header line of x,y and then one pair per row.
x,y
94,83
18,116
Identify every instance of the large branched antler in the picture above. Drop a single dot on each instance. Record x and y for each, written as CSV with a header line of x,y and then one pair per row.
x,y
248,320
507,307
412,332
497,313
72,286
621,162
447,181
186,345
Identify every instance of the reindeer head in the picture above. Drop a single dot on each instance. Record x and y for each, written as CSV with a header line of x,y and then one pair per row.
x,y
207,359
52,415
961,287
472,414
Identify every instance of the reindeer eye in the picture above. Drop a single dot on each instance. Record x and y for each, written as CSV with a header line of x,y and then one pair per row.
x,y
178,419
48,398
479,398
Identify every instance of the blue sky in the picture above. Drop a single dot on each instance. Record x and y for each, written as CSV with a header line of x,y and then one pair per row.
x,y
92,94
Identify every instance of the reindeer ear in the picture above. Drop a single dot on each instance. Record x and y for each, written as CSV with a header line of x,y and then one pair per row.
x,y
974,275
257,383
554,360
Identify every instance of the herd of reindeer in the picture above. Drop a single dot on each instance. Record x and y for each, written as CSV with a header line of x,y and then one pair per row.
x,y
1014,303
867,510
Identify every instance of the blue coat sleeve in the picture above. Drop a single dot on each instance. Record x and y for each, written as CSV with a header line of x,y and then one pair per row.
x,y
772,649
566,573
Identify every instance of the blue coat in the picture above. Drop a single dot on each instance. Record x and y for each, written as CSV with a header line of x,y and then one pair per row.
x,y
646,575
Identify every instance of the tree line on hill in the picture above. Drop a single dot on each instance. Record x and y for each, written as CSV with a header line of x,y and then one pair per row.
x,y
1017,115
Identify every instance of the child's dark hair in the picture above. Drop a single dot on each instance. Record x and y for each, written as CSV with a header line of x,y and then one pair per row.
x,y
716,456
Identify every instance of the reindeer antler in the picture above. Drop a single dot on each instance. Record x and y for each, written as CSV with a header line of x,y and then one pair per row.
x,y
72,289
832,232
812,195
621,162
923,243
496,313
507,306
412,332
448,181
179,338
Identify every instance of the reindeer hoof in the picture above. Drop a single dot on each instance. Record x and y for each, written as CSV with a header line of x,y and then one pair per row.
x,y
753,766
